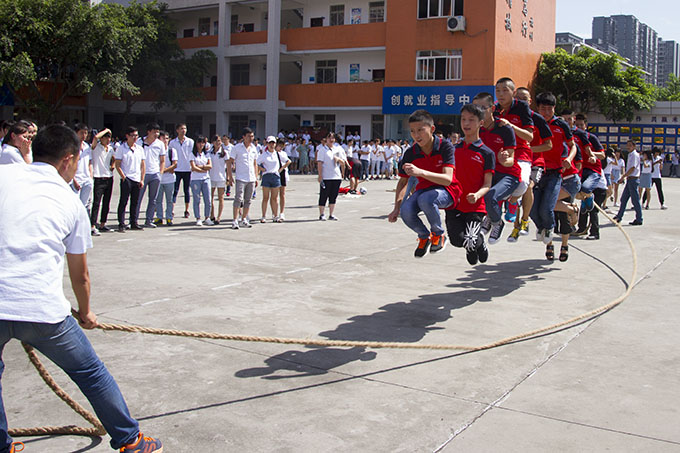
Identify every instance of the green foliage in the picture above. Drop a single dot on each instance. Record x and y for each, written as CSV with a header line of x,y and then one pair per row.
x,y
671,92
592,82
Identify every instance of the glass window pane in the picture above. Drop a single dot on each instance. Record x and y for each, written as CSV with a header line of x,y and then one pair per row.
x,y
446,7
434,8
422,9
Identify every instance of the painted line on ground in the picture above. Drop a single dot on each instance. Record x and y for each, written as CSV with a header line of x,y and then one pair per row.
x,y
125,240
351,258
302,269
156,301
225,286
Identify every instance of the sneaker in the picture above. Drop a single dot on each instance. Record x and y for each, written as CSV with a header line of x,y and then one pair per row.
x,y
149,225
496,231
593,237
547,236
186,214
95,232
158,221
635,222
616,219
234,225
143,445
228,192
486,225
199,222
509,217
136,227
168,222
423,246
121,229
262,220
246,223
514,235
282,217
14,448
322,217
333,218
104,228
472,257
587,204
277,219
540,234
524,228
438,243
579,233
209,222
663,207
482,252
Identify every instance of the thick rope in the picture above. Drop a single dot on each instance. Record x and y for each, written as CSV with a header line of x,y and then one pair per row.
x,y
99,430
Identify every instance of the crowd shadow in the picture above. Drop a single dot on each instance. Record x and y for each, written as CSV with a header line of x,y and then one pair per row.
x,y
407,322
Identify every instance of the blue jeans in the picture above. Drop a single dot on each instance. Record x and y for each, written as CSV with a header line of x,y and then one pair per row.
x,y
630,192
430,201
503,186
590,180
201,187
546,193
166,190
412,182
66,345
151,182
572,185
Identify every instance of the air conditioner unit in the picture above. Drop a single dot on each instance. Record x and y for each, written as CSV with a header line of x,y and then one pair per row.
x,y
455,23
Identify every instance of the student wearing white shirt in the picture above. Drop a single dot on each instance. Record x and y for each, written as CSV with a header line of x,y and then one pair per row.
x,y
167,187
218,177
284,163
200,180
618,168
657,165
183,146
82,183
244,176
630,190
43,222
365,157
645,189
16,144
102,170
270,169
331,162
154,159
130,167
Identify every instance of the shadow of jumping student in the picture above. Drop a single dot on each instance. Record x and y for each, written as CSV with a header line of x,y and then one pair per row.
x,y
407,322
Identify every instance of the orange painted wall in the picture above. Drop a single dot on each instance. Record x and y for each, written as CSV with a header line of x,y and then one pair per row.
x,y
253,37
248,92
336,37
330,95
45,89
198,42
517,56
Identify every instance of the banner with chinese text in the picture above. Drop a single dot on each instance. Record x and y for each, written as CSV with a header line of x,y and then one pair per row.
x,y
438,100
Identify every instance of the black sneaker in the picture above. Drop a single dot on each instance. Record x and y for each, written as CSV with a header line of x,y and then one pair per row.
x,y
423,247
136,227
496,231
593,237
486,225
635,222
482,252
471,256
104,228
121,229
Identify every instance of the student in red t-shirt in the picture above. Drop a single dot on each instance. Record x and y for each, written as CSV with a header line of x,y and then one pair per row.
x,y
430,160
475,164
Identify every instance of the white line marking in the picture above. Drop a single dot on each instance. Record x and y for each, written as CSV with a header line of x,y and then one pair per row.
x,y
171,234
352,212
125,240
155,301
351,258
393,249
377,207
225,286
302,269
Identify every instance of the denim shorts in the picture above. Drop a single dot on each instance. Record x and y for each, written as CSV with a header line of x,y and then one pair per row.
x,y
608,177
572,185
271,180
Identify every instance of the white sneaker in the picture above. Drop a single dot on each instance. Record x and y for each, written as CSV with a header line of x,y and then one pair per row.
x,y
663,206
209,222
199,222
333,218
540,234
282,217
95,231
322,217
245,223
262,220
547,237
234,225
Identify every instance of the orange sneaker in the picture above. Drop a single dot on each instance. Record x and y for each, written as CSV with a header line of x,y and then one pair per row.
x,y
143,445
438,243
423,246
15,447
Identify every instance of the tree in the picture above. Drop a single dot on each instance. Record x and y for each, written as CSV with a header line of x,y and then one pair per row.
x,y
53,49
162,69
589,81
671,92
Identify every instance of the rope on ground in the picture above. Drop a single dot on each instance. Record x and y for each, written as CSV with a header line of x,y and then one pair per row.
x,y
99,429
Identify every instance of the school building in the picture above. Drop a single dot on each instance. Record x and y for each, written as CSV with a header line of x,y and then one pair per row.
x,y
357,66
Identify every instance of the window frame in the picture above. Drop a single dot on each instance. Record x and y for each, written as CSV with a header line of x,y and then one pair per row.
x,y
444,8
427,62
237,72
336,17
372,8
326,66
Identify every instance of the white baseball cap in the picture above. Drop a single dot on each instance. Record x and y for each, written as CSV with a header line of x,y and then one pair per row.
x,y
271,138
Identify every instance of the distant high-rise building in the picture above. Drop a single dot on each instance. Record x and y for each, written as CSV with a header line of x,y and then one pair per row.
x,y
633,40
669,60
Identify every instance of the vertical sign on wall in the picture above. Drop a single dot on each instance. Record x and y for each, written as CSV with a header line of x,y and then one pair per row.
x,y
354,72
356,16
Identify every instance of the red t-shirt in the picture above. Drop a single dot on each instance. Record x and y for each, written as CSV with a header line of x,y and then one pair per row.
x,y
596,146
561,136
499,138
519,114
440,157
542,132
473,161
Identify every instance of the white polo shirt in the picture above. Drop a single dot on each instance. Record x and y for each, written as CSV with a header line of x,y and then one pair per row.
x,y
202,159
11,155
269,161
101,161
184,153
330,168
169,177
244,162
152,156
83,173
218,172
634,163
41,218
130,161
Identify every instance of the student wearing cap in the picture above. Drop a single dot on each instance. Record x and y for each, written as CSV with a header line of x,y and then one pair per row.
x,y
269,166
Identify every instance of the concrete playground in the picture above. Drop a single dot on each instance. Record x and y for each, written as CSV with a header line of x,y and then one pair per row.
x,y
608,384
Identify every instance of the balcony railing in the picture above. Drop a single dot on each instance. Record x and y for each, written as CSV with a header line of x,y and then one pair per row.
x,y
198,42
367,94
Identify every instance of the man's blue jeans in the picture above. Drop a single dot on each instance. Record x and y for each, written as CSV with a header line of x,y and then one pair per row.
x,y
590,180
630,192
503,186
430,201
152,182
546,193
165,192
66,345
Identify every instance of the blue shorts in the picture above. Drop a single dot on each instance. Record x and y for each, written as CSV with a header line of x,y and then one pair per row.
x,y
572,185
271,180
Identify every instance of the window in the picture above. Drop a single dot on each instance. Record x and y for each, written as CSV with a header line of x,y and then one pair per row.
x,y
213,81
240,74
378,75
234,23
316,22
236,125
439,8
326,71
439,65
203,26
325,122
188,33
248,27
337,15
376,12
216,28
378,126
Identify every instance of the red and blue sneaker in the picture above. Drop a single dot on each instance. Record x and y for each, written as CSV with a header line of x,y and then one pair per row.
x,y
143,445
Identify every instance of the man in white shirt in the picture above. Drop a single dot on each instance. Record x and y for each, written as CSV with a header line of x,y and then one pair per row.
x,y
167,187
130,166
41,220
365,157
154,162
244,159
630,190
102,167
82,181
184,147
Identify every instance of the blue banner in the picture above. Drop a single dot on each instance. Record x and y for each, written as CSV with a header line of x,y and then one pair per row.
x,y
438,100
